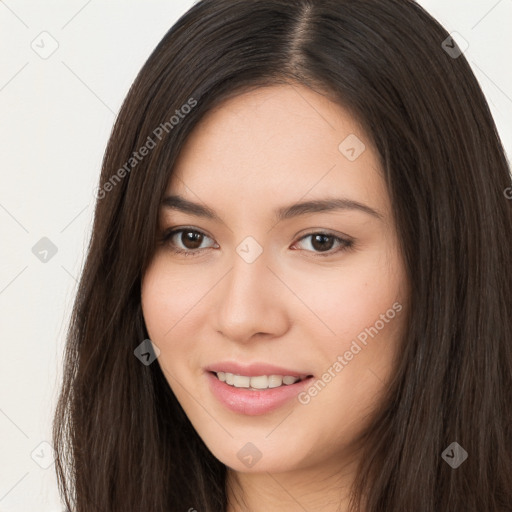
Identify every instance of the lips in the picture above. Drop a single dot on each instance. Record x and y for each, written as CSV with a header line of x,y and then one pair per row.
x,y
251,402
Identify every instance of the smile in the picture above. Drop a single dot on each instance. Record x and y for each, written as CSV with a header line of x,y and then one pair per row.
x,y
243,396
257,382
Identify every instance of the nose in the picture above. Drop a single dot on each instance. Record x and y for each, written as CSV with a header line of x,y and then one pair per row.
x,y
251,302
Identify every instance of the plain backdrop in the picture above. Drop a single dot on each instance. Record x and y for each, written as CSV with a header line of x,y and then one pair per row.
x,y
57,110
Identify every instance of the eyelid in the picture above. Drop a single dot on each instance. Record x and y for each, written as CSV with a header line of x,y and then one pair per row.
x,y
346,242
167,235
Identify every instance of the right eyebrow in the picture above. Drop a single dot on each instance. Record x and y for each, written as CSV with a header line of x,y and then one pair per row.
x,y
176,202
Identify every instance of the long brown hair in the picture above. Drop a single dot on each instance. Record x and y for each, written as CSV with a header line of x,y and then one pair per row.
x,y
122,440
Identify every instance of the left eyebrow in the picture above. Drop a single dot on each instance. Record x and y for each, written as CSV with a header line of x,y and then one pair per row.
x,y
176,202
324,205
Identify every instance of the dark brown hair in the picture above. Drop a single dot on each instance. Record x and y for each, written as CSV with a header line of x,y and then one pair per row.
x,y
122,440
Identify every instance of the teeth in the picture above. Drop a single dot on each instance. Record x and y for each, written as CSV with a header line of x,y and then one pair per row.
x,y
240,381
259,382
289,380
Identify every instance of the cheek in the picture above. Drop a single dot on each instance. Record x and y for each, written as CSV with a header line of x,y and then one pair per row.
x,y
156,305
335,304
343,301
358,328
168,298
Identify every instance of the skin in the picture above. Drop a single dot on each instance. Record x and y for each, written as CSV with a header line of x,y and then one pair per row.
x,y
261,150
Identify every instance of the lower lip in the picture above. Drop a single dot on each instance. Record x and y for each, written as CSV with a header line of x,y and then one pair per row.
x,y
252,403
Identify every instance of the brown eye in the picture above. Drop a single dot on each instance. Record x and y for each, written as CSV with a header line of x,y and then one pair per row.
x,y
190,239
324,242
185,241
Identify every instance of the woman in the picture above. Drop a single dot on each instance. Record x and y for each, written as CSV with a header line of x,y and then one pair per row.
x,y
296,293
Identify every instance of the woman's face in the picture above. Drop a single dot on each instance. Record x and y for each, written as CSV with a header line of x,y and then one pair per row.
x,y
266,288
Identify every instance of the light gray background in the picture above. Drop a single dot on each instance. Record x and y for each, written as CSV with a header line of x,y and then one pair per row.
x,y
56,117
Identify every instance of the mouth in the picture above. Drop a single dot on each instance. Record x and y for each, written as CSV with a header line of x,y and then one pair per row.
x,y
256,394
258,382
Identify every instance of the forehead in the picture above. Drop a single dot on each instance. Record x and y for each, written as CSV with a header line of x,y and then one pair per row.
x,y
285,142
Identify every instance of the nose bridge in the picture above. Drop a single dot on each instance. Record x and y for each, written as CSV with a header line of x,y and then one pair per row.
x,y
247,303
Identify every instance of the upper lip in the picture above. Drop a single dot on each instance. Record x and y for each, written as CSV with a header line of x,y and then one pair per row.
x,y
254,369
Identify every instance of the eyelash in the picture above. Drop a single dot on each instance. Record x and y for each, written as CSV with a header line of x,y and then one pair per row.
x,y
168,234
